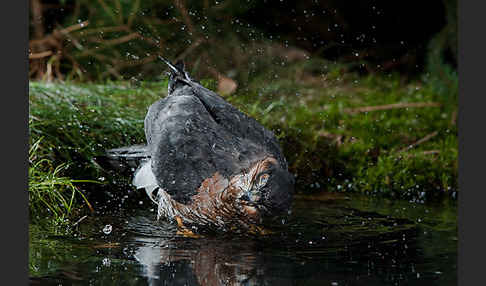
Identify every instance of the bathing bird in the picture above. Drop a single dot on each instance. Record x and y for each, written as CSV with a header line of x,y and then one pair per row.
x,y
207,164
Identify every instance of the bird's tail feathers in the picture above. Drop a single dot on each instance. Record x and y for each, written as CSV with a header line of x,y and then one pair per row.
x,y
134,151
122,160
177,70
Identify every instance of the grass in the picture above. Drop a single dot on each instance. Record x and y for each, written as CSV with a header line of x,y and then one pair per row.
x,y
68,125
51,193
307,106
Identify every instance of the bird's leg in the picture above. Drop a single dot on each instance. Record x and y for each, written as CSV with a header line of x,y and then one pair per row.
x,y
183,230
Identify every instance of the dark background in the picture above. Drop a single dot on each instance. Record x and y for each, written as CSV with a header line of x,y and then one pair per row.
x,y
236,38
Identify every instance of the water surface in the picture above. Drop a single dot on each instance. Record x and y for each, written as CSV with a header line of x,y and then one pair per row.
x,y
327,240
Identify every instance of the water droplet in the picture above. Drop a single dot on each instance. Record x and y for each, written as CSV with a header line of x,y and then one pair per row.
x,y
107,229
106,262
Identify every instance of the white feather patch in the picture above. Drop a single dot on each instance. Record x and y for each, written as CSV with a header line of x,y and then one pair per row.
x,y
144,178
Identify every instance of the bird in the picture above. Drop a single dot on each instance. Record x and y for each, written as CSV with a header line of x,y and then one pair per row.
x,y
205,163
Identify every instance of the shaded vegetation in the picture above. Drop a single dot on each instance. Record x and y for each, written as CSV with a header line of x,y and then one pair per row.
x,y
99,39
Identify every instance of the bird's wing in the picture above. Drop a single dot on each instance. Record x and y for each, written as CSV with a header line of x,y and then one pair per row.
x,y
187,145
227,116
237,123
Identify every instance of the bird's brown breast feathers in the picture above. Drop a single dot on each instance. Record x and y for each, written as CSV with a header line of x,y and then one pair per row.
x,y
216,199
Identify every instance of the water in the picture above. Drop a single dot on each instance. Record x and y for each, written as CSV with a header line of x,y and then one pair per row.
x,y
327,240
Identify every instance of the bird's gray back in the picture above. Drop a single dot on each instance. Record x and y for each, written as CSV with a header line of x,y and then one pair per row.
x,y
194,133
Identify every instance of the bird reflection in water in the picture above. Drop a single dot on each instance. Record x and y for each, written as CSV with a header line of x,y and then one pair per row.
x,y
202,262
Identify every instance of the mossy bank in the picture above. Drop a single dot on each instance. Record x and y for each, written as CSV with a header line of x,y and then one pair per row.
x,y
376,134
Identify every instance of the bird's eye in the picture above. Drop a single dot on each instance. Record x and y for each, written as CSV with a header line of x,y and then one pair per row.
x,y
263,179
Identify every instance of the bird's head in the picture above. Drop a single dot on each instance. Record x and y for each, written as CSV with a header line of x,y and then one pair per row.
x,y
269,193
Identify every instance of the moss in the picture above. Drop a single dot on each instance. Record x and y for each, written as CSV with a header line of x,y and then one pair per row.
x,y
331,149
